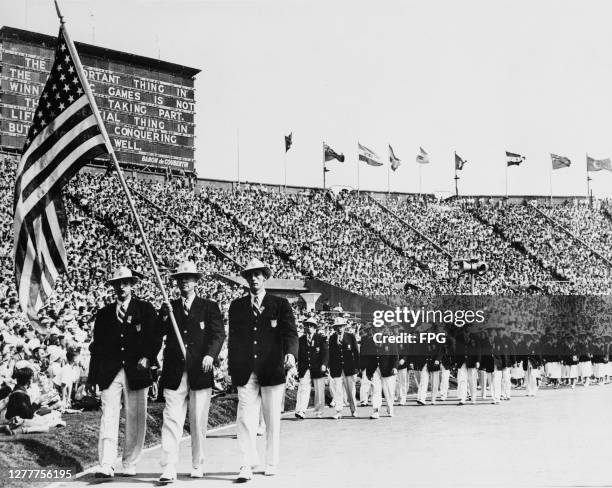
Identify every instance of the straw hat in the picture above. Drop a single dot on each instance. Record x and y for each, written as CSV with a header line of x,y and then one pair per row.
x,y
310,321
123,273
186,268
339,321
255,265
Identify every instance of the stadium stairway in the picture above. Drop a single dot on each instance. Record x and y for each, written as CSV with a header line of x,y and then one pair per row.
x,y
499,230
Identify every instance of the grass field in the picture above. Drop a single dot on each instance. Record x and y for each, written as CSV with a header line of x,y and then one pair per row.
x,y
76,445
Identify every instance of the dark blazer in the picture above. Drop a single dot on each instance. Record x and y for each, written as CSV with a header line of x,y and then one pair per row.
x,y
343,357
203,334
373,356
312,357
117,346
19,404
259,344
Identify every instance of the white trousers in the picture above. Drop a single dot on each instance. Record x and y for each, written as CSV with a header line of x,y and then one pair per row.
x,y
494,380
424,384
506,383
175,412
531,382
444,382
483,383
346,384
250,396
402,384
135,404
466,381
382,386
364,388
303,393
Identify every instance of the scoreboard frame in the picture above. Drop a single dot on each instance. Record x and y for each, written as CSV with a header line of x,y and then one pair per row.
x,y
148,105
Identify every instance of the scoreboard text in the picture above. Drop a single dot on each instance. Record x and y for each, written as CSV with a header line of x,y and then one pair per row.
x,y
149,114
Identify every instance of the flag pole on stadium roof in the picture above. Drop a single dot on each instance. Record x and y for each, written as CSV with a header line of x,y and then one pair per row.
x,y
324,168
358,171
456,177
109,148
238,154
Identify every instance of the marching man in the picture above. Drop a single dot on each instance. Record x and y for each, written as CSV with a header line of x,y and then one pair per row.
x,y
125,344
262,344
381,363
313,356
343,366
188,380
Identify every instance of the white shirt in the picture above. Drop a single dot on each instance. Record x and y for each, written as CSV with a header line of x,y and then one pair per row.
x,y
125,305
260,296
187,302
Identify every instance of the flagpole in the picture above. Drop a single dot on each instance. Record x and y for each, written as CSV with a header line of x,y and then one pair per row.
x,y
389,181
109,147
357,172
323,146
420,179
285,171
238,155
588,180
456,177
506,178
551,188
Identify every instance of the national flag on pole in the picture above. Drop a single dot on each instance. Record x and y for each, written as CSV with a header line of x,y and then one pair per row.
x,y
514,159
598,164
288,141
422,157
559,161
459,163
63,137
393,159
331,154
369,156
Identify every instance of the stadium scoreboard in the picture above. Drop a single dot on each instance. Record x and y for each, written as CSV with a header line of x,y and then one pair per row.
x,y
148,105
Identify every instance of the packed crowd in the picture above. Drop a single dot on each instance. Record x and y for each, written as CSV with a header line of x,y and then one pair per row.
x,y
348,240
583,271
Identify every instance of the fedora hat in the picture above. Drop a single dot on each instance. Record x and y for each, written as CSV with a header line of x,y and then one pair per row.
x,y
256,265
186,268
122,273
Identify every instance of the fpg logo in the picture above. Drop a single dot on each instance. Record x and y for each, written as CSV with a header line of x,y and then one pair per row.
x,y
429,337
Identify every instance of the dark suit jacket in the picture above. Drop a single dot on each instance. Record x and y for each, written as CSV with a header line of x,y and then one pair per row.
x,y
203,334
117,346
259,344
312,357
344,356
375,355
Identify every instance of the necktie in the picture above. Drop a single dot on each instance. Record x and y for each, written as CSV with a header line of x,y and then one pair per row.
x,y
185,307
121,314
256,305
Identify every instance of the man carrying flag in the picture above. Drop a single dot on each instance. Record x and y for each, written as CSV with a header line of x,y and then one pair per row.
x,y
598,164
393,159
514,159
559,161
67,131
369,156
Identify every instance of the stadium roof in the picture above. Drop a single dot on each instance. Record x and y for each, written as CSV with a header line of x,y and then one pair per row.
x,y
12,34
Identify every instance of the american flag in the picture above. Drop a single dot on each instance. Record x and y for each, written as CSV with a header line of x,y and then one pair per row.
x,y
63,137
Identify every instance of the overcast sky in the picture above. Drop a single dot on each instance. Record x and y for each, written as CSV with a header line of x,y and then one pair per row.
x,y
474,76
